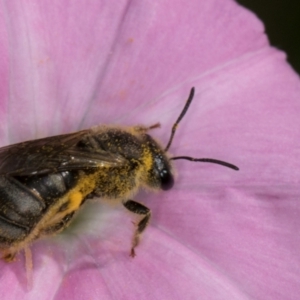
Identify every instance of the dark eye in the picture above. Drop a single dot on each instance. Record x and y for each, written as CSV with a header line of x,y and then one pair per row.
x,y
167,180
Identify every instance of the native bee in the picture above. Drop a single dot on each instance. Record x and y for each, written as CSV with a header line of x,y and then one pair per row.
x,y
44,182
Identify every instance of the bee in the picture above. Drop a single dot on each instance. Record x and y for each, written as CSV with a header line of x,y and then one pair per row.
x,y
44,182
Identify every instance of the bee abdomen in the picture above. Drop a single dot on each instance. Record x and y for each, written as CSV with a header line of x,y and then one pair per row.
x,y
20,210
17,202
10,232
24,201
52,186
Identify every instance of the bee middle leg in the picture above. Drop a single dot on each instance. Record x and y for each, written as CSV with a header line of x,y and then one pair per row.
x,y
139,209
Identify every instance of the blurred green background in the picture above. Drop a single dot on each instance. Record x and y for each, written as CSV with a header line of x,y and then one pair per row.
x,y
282,23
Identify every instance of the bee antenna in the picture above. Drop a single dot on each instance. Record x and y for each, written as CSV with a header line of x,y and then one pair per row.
x,y
186,107
209,160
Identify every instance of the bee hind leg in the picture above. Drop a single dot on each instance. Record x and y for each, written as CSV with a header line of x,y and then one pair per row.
x,y
28,266
9,256
139,209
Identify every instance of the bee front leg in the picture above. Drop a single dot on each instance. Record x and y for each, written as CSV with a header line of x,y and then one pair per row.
x,y
139,209
144,129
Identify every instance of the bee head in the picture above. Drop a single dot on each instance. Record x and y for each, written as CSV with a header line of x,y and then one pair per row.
x,y
160,173
160,169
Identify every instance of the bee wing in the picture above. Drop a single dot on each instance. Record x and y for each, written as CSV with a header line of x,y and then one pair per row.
x,y
53,154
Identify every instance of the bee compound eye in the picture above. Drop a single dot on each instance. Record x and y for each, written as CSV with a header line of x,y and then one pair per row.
x,y
167,180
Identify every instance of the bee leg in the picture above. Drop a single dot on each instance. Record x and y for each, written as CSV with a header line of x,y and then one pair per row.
x,y
143,129
139,209
28,266
9,256
154,126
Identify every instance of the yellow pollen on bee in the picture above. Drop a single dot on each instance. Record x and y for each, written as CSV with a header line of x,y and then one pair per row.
x,y
147,159
75,200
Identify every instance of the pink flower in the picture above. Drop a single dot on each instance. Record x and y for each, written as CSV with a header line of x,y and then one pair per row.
x,y
218,234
